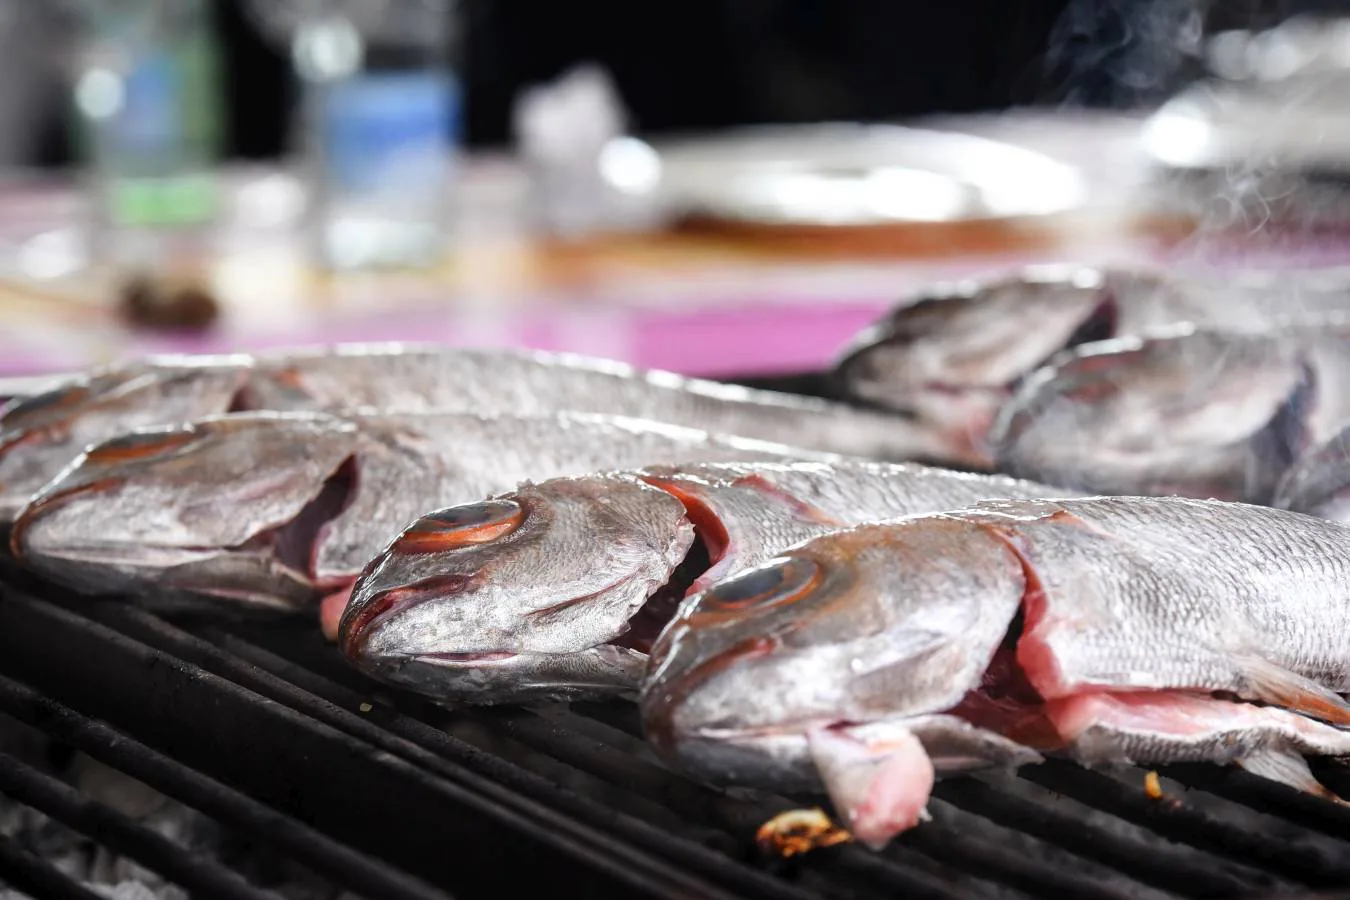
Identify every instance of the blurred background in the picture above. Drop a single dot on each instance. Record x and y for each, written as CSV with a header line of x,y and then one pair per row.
x,y
714,186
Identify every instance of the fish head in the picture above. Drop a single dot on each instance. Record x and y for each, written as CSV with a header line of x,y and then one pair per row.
x,y
226,507
1195,412
952,355
877,622
41,434
524,596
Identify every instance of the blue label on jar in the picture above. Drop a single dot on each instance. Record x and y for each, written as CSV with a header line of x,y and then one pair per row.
x,y
390,130
148,121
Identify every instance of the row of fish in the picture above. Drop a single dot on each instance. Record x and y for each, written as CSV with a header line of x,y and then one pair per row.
x,y
41,434
275,509
1118,382
481,527
1127,383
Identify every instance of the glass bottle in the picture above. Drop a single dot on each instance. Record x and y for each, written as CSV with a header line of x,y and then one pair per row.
x,y
377,125
148,127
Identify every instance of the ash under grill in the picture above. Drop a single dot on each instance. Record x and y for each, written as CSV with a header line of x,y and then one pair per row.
x,y
262,727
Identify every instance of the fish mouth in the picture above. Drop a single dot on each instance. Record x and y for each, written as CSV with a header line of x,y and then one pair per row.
x,y
464,659
357,628
359,623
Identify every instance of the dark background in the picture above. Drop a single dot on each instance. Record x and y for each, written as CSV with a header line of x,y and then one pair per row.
x,y
697,64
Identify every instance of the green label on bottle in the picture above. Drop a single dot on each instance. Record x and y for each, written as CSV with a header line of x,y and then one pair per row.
x,y
155,153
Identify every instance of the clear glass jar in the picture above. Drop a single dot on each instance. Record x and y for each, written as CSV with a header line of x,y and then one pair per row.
x,y
377,125
146,92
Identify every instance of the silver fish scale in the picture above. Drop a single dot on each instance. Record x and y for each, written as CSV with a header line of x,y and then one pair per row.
x,y
172,516
533,383
1105,744
1178,593
579,539
123,401
420,463
247,473
854,493
907,628
768,507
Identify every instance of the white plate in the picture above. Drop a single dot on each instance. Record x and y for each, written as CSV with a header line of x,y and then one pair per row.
x,y
1295,124
853,174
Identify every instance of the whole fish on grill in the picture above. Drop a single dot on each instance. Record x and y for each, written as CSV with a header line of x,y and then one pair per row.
x,y
1110,630
492,380
39,435
955,353
533,593
271,509
1199,413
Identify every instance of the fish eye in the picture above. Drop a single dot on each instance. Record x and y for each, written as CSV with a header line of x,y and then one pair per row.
x,y
781,582
459,526
139,445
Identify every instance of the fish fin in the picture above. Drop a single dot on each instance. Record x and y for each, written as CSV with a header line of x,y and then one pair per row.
x,y
878,787
955,746
1271,684
1287,767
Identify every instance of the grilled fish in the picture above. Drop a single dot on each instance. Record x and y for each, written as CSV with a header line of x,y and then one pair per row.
x,y
1110,630
270,509
557,589
40,435
954,354
1199,413
401,377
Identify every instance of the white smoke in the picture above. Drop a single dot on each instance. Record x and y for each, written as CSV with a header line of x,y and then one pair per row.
x,y
1121,53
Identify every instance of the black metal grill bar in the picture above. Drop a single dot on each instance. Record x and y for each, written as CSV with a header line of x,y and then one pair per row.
x,y
195,872
1305,863
581,742
556,739
893,873
576,741
859,868
191,714
951,841
418,742
952,844
992,839
1263,795
1168,868
344,865
570,737
37,878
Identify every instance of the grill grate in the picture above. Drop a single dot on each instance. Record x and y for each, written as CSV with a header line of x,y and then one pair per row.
x,y
263,727
260,725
